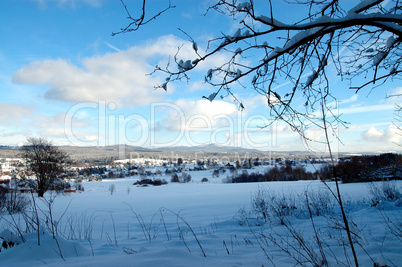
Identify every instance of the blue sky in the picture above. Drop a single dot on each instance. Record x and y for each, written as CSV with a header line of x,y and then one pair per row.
x,y
63,76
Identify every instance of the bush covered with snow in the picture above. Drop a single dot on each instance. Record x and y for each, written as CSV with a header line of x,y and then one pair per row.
x,y
183,178
386,191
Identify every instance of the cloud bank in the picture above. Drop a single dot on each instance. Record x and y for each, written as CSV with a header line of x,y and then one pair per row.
x,y
389,135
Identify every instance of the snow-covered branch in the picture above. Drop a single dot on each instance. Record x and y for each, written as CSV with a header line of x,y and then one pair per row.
x,y
364,41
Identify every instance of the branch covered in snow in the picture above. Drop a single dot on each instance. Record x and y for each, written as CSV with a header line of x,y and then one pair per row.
x,y
361,41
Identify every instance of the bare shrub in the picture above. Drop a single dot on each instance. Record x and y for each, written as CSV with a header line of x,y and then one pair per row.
x,y
385,191
271,206
174,178
284,208
183,178
320,202
3,197
112,188
13,202
299,248
77,226
394,225
259,203
78,186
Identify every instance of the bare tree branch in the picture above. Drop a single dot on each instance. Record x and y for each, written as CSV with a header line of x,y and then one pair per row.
x,y
364,41
142,20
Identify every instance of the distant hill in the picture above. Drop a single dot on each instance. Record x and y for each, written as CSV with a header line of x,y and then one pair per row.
x,y
110,153
212,149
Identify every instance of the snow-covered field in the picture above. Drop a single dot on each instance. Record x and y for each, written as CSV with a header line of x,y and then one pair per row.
x,y
176,224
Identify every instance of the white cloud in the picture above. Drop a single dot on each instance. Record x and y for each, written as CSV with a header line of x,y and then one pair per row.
x,y
201,114
394,95
19,121
351,99
9,133
13,113
386,136
119,77
58,121
251,103
52,132
364,109
70,3
315,134
58,135
199,86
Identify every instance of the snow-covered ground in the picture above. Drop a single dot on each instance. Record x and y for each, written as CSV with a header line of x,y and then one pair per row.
x,y
176,224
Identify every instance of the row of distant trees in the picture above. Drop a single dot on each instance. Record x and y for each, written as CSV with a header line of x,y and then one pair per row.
x,y
348,170
365,168
286,173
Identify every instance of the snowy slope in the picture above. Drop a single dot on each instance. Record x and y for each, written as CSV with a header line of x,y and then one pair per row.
x,y
175,224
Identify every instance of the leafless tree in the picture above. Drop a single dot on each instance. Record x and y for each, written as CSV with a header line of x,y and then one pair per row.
x,y
362,41
358,41
45,160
